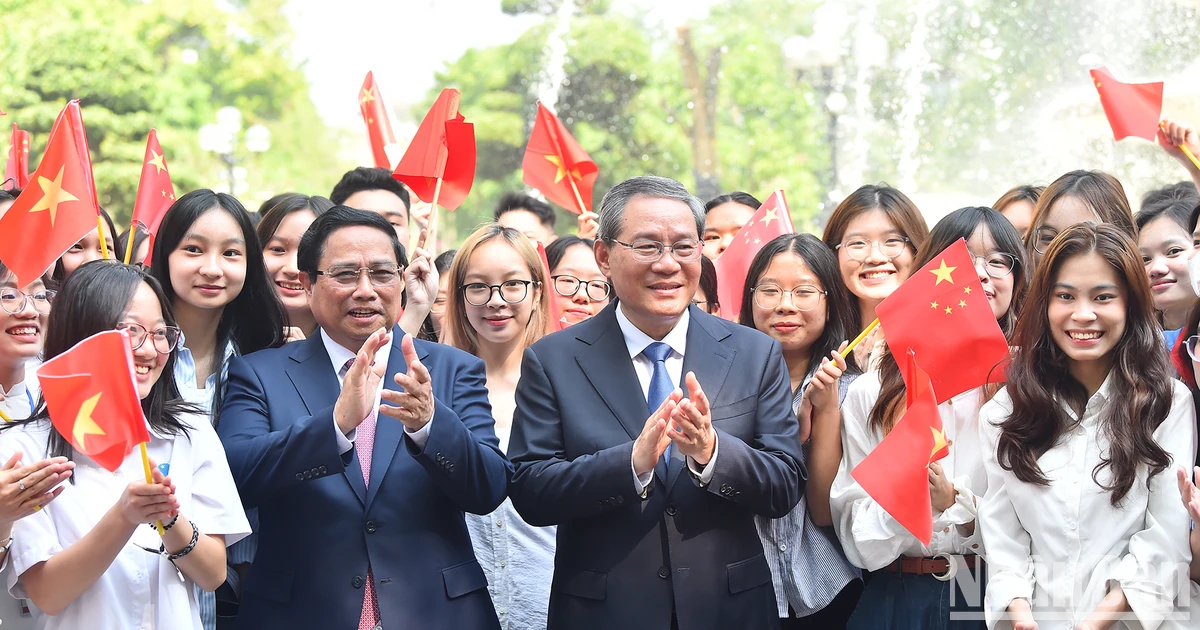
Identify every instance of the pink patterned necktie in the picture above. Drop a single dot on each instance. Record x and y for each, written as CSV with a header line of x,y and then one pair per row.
x,y
364,442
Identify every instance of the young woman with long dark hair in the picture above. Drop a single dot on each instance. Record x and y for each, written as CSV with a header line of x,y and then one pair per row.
x,y
285,218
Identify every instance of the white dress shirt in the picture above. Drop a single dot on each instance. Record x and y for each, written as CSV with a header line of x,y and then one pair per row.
x,y
139,589
338,356
635,342
871,538
185,377
19,401
1060,546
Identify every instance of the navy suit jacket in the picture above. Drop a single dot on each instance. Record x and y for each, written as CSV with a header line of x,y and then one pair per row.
x,y
320,526
627,561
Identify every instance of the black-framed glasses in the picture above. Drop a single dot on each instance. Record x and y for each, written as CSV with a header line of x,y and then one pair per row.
x,y
511,291
805,297
646,250
568,286
13,301
165,339
860,248
996,264
347,277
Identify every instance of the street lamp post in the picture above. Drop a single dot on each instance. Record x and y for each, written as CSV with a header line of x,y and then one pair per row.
x,y
222,138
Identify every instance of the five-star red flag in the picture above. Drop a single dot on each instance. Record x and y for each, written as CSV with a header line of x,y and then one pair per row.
x,y
155,192
58,207
896,473
443,148
375,115
93,400
556,165
770,220
1133,109
16,170
559,323
942,314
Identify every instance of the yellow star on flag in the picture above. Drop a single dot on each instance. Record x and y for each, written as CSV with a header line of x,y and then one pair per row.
x,y
949,310
52,195
157,161
943,273
84,425
562,171
933,305
967,290
769,216
939,441
962,304
367,96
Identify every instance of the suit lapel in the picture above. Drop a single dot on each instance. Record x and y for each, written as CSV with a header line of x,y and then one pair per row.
x,y
389,431
606,364
709,359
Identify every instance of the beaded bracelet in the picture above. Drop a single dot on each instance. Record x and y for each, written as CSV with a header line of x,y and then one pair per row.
x,y
188,549
166,526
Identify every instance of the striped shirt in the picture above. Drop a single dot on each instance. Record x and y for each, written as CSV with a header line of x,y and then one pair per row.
x,y
808,567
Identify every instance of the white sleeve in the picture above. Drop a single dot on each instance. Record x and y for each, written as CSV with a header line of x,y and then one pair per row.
x,y
216,506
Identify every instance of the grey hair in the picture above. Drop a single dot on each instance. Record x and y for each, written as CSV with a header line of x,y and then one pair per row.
x,y
612,207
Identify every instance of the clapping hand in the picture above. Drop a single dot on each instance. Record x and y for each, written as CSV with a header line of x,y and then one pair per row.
x,y
26,489
691,424
414,405
357,398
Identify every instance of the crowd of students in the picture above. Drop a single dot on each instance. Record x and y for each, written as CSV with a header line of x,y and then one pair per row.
x,y
1067,495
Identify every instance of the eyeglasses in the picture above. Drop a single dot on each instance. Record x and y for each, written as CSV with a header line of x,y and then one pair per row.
x,y
997,264
165,338
568,286
1193,347
13,301
1042,238
511,291
804,297
646,250
381,276
860,248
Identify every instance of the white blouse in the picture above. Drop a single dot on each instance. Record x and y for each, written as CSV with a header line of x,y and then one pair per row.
x,y
139,589
871,538
1061,545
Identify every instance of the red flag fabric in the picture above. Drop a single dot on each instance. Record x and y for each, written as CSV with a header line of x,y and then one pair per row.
x,y
1133,109
375,115
556,165
58,207
16,170
770,220
559,324
443,147
93,400
896,473
942,314
155,192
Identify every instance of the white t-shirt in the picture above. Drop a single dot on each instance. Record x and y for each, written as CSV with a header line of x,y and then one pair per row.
x,y
139,589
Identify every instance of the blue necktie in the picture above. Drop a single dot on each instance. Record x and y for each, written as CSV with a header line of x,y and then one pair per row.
x,y
660,382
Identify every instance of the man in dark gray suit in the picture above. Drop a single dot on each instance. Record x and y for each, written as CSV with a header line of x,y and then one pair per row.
x,y
652,434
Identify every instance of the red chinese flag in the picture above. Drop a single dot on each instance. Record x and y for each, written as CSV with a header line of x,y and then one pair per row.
x,y
444,147
770,220
896,473
942,314
58,207
559,323
556,165
93,399
1133,109
375,115
16,169
155,192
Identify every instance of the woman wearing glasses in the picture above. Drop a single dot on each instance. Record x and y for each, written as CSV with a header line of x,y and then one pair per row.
x,y
872,539
1076,197
875,233
93,558
794,294
498,308
579,287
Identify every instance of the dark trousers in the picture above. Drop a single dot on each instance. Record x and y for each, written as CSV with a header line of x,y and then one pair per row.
x,y
832,617
906,601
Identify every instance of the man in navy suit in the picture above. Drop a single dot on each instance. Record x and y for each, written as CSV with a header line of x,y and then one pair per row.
x,y
361,452
652,434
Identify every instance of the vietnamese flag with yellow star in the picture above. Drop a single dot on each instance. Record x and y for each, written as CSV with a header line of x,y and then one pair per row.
x,y
1132,109
375,115
443,148
93,400
896,472
772,219
16,170
58,207
556,165
155,192
942,313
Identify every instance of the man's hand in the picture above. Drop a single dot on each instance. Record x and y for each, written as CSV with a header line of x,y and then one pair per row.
x,y
653,441
413,406
357,397
691,424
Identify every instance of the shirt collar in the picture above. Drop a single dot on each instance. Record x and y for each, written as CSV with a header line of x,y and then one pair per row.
x,y
636,340
1095,403
339,355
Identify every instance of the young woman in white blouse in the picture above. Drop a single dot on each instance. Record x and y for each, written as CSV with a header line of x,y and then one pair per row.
x,y
910,584
497,307
93,558
1083,522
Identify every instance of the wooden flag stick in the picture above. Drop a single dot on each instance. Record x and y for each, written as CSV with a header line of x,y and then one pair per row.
x,y
129,245
103,245
857,340
432,236
150,479
578,198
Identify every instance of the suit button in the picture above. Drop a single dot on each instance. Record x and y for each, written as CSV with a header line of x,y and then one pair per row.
x,y
620,499
323,470
725,488
663,572
299,476
307,474
316,472
440,457
671,511
357,582
371,527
